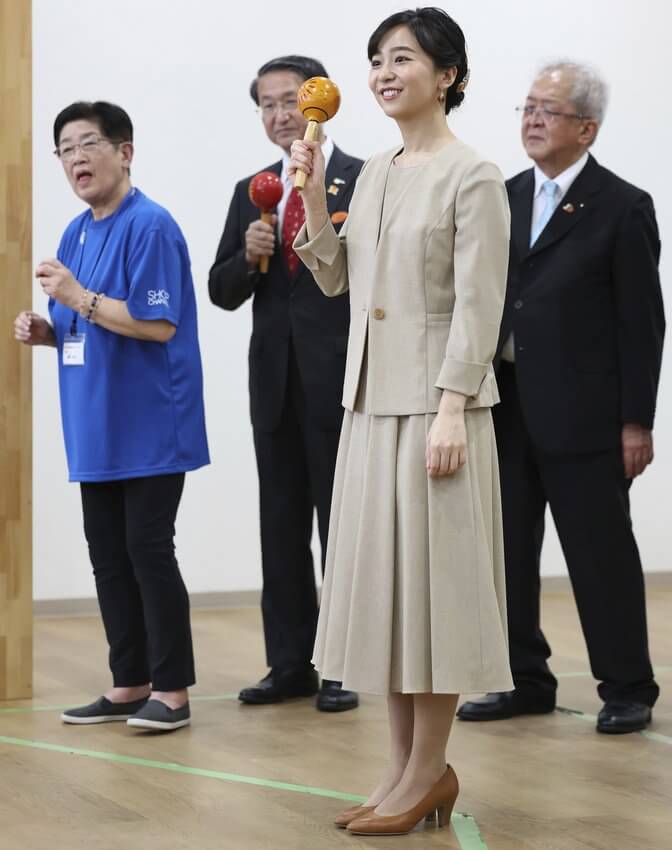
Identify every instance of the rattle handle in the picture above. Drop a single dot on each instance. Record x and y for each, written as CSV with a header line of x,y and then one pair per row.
x,y
267,218
310,136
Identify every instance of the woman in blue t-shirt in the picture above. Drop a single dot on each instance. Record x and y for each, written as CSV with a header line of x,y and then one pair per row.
x,y
123,320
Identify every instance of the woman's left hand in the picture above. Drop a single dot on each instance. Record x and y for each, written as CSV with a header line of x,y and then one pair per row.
x,y
58,283
447,438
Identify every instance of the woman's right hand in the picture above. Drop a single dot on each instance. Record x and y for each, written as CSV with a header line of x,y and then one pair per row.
x,y
31,329
308,157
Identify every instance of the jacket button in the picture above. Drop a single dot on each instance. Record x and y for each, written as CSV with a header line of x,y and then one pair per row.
x,y
379,313
517,304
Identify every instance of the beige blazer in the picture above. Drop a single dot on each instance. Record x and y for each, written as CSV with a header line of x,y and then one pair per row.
x,y
426,288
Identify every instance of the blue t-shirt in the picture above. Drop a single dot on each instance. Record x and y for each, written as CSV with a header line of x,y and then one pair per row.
x,y
135,408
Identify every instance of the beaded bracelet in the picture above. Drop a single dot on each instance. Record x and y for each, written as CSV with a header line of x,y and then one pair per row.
x,y
92,307
89,307
82,303
95,306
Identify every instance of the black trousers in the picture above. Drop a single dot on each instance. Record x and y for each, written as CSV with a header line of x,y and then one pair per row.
x,y
130,526
296,465
588,498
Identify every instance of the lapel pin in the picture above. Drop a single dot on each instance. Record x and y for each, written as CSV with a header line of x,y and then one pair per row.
x,y
338,180
568,208
333,190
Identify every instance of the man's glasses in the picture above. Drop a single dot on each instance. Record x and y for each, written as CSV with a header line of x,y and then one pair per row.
x,y
269,109
90,146
547,115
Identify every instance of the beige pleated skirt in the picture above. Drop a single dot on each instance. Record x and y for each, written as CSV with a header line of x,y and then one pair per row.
x,y
413,599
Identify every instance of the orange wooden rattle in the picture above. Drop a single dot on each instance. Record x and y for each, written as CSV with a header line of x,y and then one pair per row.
x,y
318,99
265,192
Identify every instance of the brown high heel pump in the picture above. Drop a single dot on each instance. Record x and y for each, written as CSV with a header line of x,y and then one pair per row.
x,y
351,814
346,817
440,799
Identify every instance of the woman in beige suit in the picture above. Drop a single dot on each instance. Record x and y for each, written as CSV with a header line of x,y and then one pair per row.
x,y
413,602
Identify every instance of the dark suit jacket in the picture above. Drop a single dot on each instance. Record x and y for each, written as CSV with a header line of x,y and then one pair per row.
x,y
287,309
585,306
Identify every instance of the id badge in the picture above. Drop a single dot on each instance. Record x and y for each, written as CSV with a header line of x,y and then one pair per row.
x,y
73,349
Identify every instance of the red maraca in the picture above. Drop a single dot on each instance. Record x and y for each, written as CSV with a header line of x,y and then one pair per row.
x,y
265,193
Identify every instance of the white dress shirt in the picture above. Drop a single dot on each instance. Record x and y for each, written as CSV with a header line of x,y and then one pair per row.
x,y
564,180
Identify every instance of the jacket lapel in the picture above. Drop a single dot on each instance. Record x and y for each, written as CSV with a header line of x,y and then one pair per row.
x,y
520,201
416,184
572,208
339,173
379,191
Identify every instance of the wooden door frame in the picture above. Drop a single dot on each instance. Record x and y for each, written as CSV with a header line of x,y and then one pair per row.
x,y
16,586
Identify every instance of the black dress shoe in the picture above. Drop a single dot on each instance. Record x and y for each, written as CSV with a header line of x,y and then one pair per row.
x,y
502,706
278,686
332,697
619,717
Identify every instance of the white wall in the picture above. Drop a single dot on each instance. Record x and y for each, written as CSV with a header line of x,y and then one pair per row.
x,y
182,71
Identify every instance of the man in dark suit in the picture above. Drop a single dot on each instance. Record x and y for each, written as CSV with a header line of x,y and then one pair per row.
x,y
297,364
580,347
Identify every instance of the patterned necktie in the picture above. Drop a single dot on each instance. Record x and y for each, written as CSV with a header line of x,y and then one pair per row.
x,y
550,188
291,224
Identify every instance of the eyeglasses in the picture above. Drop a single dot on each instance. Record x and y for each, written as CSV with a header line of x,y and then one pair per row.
x,y
269,109
547,115
90,146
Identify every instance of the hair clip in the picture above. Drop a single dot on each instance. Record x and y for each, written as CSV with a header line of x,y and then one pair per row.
x,y
462,86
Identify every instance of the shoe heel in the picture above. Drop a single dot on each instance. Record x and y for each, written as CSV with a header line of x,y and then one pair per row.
x,y
443,814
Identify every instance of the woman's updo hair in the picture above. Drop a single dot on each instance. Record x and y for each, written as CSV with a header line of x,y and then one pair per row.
x,y
441,39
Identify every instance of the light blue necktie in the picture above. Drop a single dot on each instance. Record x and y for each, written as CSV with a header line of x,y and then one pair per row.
x,y
550,188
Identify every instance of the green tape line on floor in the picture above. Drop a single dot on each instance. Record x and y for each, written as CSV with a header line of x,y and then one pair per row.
x,y
178,768
468,833
465,826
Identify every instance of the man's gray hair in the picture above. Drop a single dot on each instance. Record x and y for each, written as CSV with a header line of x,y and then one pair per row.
x,y
589,92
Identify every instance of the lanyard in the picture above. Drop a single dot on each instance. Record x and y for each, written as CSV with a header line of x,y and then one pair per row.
x,y
82,241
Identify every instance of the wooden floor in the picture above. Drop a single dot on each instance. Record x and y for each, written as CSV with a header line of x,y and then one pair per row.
x,y
546,783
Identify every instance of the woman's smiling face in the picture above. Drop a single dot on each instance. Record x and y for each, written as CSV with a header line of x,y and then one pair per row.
x,y
403,77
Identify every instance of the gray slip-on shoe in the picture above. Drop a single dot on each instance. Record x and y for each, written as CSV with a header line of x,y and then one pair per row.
x,y
102,711
157,715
